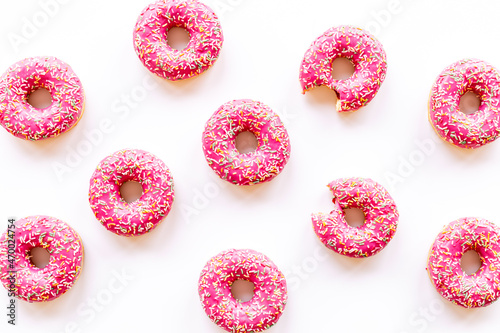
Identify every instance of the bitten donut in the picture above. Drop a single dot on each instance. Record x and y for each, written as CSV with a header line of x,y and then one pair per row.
x,y
256,315
219,142
142,215
452,125
24,77
150,38
381,218
28,282
362,49
443,265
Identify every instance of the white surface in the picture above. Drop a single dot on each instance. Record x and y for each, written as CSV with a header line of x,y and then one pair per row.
x,y
264,44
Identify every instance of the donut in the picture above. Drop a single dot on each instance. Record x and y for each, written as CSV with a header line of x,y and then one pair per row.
x,y
452,125
443,265
362,49
219,142
150,38
24,77
381,218
256,315
28,282
142,215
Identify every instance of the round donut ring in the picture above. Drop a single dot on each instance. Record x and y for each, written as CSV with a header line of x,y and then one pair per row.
x,y
381,218
29,282
452,125
219,142
24,77
150,38
443,265
256,315
142,215
362,49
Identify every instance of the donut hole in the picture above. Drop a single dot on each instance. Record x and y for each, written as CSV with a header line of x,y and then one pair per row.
x,y
242,290
354,217
178,38
131,191
469,103
470,262
342,68
246,142
39,257
40,98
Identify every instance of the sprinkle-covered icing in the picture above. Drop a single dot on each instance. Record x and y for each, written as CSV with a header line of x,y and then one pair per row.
x,y
454,126
24,77
256,315
35,284
362,49
150,38
381,218
142,215
465,234
219,137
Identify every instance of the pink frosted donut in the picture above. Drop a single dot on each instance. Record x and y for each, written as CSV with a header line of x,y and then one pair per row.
x,y
150,38
381,218
443,265
24,77
142,215
362,49
21,277
256,315
458,128
221,130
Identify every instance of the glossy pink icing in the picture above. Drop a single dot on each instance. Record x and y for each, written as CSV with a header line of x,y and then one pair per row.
x,y
150,38
443,265
35,284
256,315
362,49
381,218
142,215
221,130
27,122
452,125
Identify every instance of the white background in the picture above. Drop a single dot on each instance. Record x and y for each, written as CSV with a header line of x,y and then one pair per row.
x,y
264,44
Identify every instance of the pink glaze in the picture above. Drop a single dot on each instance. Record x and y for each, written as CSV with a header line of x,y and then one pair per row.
x,y
470,291
454,126
150,38
35,284
27,122
381,218
142,215
256,315
362,49
221,130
